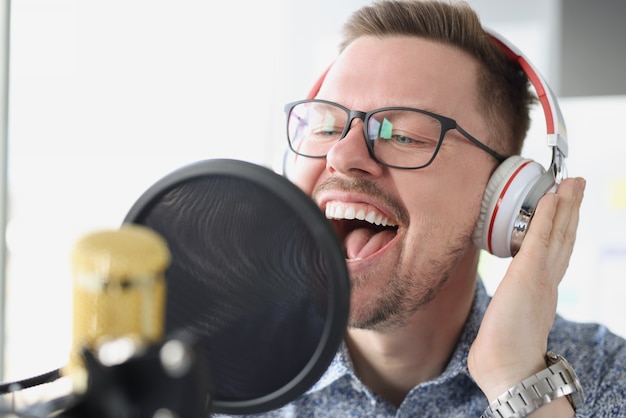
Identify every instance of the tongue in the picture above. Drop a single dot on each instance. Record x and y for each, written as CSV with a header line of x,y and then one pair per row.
x,y
363,242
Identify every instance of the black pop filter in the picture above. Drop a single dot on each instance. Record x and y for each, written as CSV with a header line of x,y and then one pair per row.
x,y
257,274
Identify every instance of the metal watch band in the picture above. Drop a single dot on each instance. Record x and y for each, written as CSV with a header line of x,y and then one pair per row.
x,y
553,382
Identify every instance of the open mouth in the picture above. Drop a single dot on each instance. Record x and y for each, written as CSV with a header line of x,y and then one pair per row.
x,y
363,229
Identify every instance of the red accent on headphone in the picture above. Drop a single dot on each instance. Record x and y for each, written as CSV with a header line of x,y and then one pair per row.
x,y
502,193
318,84
534,78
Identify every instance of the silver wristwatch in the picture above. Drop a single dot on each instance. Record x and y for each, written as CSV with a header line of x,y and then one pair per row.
x,y
555,381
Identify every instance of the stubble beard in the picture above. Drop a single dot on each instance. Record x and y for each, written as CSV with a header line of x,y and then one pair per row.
x,y
404,293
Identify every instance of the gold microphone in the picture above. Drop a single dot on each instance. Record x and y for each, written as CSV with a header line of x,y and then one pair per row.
x,y
119,295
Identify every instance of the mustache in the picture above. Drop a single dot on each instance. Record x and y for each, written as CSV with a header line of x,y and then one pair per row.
x,y
367,187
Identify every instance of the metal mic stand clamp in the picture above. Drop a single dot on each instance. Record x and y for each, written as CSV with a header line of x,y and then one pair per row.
x,y
165,380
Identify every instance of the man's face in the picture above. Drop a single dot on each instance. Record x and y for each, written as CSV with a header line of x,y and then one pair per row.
x,y
429,213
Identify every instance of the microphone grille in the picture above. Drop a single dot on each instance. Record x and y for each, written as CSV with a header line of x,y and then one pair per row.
x,y
119,290
127,252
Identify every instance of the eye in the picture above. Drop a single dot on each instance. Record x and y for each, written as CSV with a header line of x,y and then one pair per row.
x,y
325,124
403,140
327,131
412,142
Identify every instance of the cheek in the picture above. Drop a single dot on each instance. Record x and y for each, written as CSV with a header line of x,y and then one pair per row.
x,y
451,201
463,180
305,172
466,199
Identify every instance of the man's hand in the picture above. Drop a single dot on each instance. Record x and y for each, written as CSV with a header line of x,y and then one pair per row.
x,y
512,341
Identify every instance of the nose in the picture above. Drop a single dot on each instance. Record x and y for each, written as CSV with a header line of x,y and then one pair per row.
x,y
350,155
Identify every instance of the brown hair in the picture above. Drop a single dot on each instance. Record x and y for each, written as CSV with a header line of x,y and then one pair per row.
x,y
503,88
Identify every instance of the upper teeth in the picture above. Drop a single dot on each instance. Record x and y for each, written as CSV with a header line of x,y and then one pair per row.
x,y
340,210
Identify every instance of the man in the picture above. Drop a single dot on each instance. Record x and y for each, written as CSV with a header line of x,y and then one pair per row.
x,y
424,339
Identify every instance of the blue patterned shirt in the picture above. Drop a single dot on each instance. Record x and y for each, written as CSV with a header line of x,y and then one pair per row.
x,y
597,355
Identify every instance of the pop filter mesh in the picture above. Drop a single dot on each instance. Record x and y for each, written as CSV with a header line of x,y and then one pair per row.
x,y
258,276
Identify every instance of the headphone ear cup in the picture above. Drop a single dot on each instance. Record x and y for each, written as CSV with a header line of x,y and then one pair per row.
x,y
502,201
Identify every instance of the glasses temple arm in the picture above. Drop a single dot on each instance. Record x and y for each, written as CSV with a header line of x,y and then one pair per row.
x,y
480,145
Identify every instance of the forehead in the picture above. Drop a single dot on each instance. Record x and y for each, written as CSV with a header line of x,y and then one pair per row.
x,y
410,71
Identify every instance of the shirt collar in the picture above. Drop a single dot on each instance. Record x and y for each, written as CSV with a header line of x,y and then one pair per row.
x,y
341,364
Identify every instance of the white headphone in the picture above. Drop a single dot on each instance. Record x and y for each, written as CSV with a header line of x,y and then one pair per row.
x,y
517,184
515,187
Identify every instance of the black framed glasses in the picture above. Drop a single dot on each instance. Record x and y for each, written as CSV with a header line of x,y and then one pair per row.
x,y
397,137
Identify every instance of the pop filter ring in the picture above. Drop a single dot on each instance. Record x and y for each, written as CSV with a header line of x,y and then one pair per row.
x,y
276,187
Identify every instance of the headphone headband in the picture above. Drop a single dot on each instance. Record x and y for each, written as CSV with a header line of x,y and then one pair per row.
x,y
555,124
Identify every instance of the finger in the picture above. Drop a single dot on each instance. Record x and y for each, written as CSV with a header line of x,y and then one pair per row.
x,y
570,195
565,224
534,248
551,235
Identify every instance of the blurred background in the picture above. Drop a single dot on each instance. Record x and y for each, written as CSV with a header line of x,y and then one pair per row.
x,y
108,96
